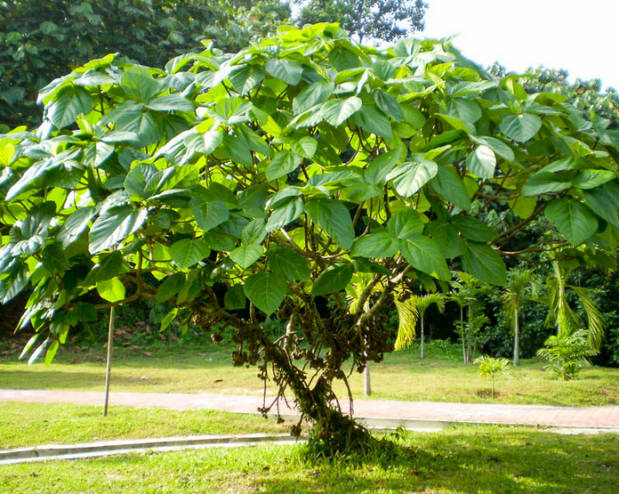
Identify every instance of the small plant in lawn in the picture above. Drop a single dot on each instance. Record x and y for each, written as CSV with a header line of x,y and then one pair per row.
x,y
489,367
567,354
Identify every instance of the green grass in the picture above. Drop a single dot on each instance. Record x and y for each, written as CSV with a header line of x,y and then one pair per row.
x,y
35,424
465,459
402,376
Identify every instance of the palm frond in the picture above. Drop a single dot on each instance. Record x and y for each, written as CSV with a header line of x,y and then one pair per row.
x,y
595,322
407,321
423,302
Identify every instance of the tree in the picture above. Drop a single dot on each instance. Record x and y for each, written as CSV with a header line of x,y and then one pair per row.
x,y
562,315
43,40
567,353
257,184
406,333
467,291
489,367
521,287
368,20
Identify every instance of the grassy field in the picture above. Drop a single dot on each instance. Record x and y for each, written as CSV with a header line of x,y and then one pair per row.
x,y
464,459
35,424
402,376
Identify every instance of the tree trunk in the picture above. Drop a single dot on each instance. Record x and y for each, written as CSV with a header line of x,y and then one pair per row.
x,y
463,337
367,388
469,331
422,337
515,359
108,367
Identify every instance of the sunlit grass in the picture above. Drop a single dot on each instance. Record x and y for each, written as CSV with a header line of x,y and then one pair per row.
x,y
465,459
402,376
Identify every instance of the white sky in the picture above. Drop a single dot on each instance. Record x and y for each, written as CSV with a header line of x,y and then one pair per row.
x,y
579,36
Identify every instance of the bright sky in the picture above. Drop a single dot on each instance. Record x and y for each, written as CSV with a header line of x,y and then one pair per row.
x,y
579,36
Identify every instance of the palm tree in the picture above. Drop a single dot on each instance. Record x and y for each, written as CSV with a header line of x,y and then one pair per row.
x,y
470,292
407,312
421,303
522,286
561,313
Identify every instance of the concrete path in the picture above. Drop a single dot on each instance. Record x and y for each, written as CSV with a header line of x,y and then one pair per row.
x,y
387,413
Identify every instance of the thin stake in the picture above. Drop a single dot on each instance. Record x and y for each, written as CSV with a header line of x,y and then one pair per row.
x,y
109,362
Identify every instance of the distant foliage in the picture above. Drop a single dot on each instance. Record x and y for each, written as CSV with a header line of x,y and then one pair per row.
x,y
41,40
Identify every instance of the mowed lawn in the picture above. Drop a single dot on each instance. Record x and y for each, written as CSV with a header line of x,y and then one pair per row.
x,y
401,376
463,459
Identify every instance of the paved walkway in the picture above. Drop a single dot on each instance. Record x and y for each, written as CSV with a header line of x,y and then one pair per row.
x,y
587,417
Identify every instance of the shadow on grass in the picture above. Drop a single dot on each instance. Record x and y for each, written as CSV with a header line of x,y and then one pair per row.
x,y
518,463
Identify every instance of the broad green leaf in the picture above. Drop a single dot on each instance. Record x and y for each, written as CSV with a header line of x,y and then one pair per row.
x,y
216,239
282,164
139,84
424,254
544,183
410,177
145,125
523,206
520,128
233,110
246,255
447,237
114,225
448,183
388,105
111,290
373,121
185,253
500,148
254,232
304,147
473,229
333,217
312,95
465,109
208,214
482,162
589,179
333,279
51,352
235,298
143,180
75,225
288,264
247,78
458,124
266,291
405,223
483,262
376,244
171,285
379,168
170,102
604,201
68,104
212,139
109,266
168,318
573,219
285,212
337,111
286,70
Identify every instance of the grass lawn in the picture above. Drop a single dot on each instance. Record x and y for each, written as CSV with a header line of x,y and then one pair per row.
x,y
34,424
402,376
464,459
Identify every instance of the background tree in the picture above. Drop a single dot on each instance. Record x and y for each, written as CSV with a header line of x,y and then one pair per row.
x,y
367,20
43,40
253,185
406,333
563,316
522,286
